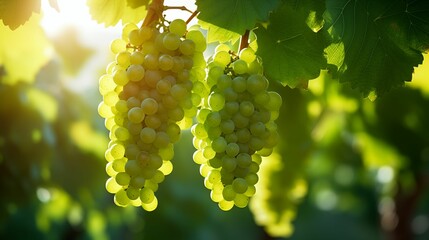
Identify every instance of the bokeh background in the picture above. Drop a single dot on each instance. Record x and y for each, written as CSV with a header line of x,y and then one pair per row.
x,y
347,167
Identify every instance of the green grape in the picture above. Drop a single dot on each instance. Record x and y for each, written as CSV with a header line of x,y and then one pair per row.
x,y
149,106
178,26
135,72
216,101
112,186
117,151
136,115
247,54
106,84
135,37
148,135
226,205
228,193
137,58
229,163
171,41
127,29
239,66
147,195
239,84
122,178
198,38
137,182
241,200
222,57
232,149
118,45
109,169
119,164
187,47
121,198
123,59
166,62
150,61
239,185
219,145
120,77
150,206
246,108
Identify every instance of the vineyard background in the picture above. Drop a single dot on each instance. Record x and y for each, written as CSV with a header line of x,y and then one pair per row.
x,y
349,166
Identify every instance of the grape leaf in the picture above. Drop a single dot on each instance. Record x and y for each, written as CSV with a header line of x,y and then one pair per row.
x,y
381,40
23,50
291,51
110,12
218,34
137,3
235,15
15,13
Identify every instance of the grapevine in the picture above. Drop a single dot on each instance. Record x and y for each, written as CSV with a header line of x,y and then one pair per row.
x,y
147,100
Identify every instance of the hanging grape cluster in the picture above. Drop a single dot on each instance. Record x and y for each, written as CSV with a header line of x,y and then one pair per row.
x,y
235,126
147,100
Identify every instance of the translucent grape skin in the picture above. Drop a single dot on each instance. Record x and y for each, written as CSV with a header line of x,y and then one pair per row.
x,y
147,94
235,126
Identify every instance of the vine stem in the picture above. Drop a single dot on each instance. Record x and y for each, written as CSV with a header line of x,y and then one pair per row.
x,y
183,8
244,41
194,14
154,12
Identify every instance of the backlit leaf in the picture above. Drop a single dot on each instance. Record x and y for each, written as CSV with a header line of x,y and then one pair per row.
x,y
235,15
382,41
23,51
291,51
15,13
110,12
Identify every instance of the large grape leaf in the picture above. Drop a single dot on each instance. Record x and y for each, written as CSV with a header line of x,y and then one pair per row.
x,y
235,15
381,41
23,51
110,12
15,13
291,51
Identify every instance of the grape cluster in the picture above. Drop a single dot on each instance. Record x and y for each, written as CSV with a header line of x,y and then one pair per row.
x,y
235,126
147,100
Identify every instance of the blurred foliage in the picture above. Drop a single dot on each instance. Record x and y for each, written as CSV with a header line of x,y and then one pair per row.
x,y
346,167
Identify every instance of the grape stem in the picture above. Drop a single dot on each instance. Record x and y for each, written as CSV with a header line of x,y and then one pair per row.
x,y
154,12
195,13
183,8
244,40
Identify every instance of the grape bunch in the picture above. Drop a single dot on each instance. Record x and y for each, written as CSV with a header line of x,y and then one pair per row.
x,y
235,126
147,101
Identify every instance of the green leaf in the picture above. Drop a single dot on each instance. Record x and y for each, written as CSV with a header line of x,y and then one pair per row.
x,y
235,15
137,3
110,12
218,34
291,52
381,41
15,13
23,51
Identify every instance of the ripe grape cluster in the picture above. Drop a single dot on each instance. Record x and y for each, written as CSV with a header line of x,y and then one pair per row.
x,y
235,125
147,100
